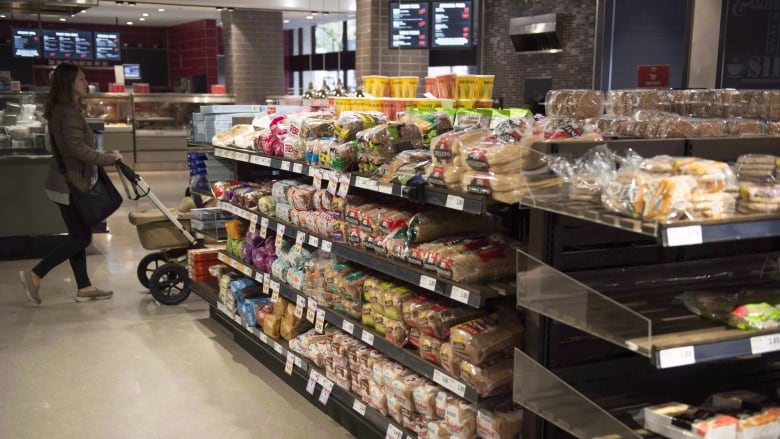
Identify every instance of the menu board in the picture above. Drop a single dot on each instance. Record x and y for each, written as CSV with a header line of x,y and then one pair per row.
x,y
67,44
452,24
27,43
409,27
107,46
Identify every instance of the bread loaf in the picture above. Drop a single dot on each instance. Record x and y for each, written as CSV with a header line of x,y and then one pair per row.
x,y
486,338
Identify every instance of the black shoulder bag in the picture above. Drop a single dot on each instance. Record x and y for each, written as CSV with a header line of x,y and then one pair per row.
x,y
97,203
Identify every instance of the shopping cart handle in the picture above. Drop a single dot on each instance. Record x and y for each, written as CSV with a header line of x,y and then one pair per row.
x,y
126,170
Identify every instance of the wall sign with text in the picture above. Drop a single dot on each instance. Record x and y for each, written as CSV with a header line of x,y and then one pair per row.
x,y
750,52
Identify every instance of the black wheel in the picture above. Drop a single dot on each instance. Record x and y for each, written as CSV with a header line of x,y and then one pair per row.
x,y
170,284
148,265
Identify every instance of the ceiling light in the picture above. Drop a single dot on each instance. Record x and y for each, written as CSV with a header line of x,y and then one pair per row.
x,y
2,15
285,20
314,13
160,9
145,14
142,19
83,11
63,19
230,9
129,23
219,8
310,17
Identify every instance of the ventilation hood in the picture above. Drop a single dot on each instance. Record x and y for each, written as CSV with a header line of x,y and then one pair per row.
x,y
48,7
535,34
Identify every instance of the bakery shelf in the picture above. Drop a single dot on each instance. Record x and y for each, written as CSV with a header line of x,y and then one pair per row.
x,y
668,234
363,420
408,358
644,316
470,203
472,295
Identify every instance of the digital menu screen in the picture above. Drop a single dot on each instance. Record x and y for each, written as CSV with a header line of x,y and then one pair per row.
x,y
67,44
452,24
107,46
27,43
409,25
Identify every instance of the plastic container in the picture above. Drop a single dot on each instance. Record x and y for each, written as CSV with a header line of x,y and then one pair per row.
x,y
446,85
375,85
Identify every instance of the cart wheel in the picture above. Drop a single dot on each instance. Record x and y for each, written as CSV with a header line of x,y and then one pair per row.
x,y
170,284
148,265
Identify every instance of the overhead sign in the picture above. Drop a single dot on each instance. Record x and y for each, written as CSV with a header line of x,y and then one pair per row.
x,y
653,76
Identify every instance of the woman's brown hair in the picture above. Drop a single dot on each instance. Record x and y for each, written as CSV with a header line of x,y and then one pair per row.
x,y
61,90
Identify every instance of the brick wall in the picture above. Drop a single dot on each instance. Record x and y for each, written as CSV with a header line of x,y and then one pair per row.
x,y
573,68
254,58
192,50
374,55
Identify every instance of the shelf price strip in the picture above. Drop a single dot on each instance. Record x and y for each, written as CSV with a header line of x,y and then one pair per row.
x,y
449,383
313,379
762,344
393,432
674,357
689,235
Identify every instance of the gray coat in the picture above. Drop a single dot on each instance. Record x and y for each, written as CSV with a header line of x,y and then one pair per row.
x,y
76,145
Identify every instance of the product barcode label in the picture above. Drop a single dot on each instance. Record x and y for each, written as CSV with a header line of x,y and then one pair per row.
x,y
317,177
313,378
427,282
326,246
674,357
449,383
765,343
366,183
266,284
359,407
274,291
298,168
343,185
280,229
288,367
263,338
311,311
348,326
222,308
455,202
259,279
688,235
367,337
300,238
252,223
327,387
333,183
263,227
459,294
393,432
319,324
285,165
300,305
220,152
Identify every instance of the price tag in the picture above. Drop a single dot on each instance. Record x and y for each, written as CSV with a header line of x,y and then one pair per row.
x,y
459,294
314,241
285,165
252,224
278,348
279,234
300,305
234,263
428,282
312,170
265,282
327,387
249,327
259,279
688,235
326,246
263,338
300,238
265,161
319,324
317,180
298,168
274,291
348,327
359,407
237,319
263,227
676,357
765,343
344,185
311,311
385,188
367,337
222,308
393,432
219,152
449,383
314,376
455,202
242,156
366,183
298,362
288,367
247,270
333,183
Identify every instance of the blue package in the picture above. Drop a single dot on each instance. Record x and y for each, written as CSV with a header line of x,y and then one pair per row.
x,y
238,285
248,309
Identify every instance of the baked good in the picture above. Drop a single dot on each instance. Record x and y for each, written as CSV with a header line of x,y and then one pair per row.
x,y
486,338
711,175
746,127
448,360
626,193
668,198
575,103
461,418
713,205
350,123
757,167
502,421
681,421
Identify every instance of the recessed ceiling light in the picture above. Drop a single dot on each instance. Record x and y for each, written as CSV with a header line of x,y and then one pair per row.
x,y
63,19
145,14
2,15
286,21
160,9
83,11
310,17
142,19
129,23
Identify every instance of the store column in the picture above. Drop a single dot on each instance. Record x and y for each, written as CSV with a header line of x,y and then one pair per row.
x,y
374,55
254,54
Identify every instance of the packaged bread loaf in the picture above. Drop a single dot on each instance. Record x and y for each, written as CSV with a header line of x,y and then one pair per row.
x,y
378,398
575,103
424,397
461,417
491,379
502,421
626,193
493,261
437,223
430,348
486,338
393,300
448,360
712,205
350,123
395,332
389,139
669,198
711,175
492,155
439,318
412,307
443,399
759,168
437,429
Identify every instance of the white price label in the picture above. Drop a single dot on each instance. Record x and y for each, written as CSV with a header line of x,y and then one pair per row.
x,y
333,184
359,407
393,432
249,327
242,156
312,171
459,294
253,224
367,337
285,165
274,291
348,326
288,367
366,183
327,387
266,285
765,343
676,357
314,241
263,338
455,202
298,168
344,185
313,378
265,161
222,308
263,227
317,180
427,282
311,311
280,229
688,235
259,279
222,257
319,324
449,383
279,237
385,188
278,348
326,246
234,263
300,305
298,362
237,319
219,152
300,238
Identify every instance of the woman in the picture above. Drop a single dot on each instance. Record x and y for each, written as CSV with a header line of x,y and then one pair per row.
x,y
74,142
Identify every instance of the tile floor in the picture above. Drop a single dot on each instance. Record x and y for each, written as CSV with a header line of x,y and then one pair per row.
x,y
126,368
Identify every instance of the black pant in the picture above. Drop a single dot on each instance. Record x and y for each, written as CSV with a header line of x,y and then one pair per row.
x,y
72,248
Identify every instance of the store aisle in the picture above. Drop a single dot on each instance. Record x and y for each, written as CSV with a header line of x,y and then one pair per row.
x,y
125,368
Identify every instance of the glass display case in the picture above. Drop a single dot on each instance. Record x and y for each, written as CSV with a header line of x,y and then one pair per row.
x,y
22,127
116,112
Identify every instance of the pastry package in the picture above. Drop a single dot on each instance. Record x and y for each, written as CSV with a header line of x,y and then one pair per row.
x,y
490,379
461,419
575,103
758,168
431,122
712,205
681,421
755,198
626,102
486,338
668,198
227,137
349,123
711,175
587,174
625,194
502,421
747,127
746,309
